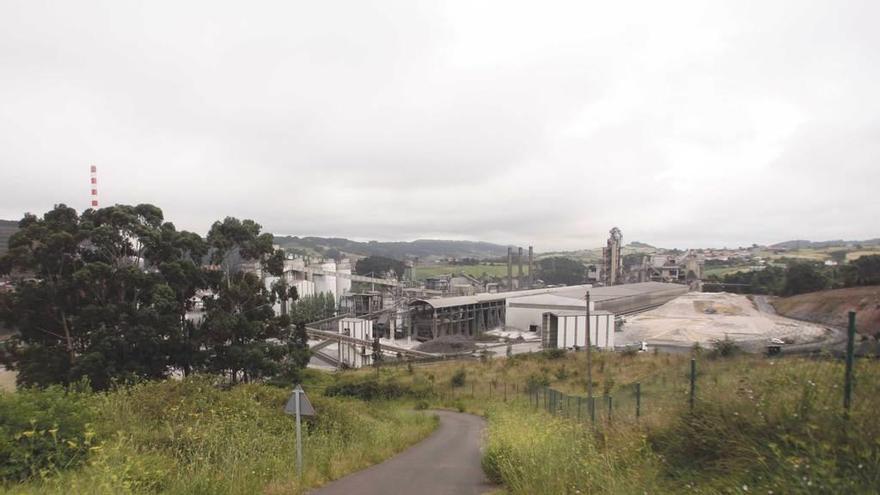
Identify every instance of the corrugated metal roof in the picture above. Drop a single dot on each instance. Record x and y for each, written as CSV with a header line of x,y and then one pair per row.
x,y
571,292
564,313
446,302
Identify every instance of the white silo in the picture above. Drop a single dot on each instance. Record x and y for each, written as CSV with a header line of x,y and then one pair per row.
x,y
326,283
343,282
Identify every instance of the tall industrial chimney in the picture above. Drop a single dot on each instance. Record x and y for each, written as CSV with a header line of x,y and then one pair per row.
x,y
519,261
531,267
509,268
94,184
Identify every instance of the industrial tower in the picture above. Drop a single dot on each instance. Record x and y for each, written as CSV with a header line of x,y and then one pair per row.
x,y
94,184
612,266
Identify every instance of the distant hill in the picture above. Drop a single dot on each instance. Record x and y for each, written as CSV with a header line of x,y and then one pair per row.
x,y
7,228
804,244
637,244
421,248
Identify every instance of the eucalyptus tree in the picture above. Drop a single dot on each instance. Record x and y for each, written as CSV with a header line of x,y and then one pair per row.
x,y
90,298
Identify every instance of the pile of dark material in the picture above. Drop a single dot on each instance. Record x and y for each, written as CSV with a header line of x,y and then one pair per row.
x,y
448,344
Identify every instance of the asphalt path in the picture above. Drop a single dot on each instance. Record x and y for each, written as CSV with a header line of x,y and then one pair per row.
x,y
447,462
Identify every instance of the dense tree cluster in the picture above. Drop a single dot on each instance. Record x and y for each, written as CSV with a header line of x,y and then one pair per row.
x,y
109,296
559,270
378,266
799,277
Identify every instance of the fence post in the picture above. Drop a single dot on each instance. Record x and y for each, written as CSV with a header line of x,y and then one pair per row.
x,y
609,408
593,410
848,378
568,406
638,400
579,409
693,381
505,391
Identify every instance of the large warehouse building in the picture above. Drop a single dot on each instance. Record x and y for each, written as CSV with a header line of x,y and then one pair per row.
x,y
524,310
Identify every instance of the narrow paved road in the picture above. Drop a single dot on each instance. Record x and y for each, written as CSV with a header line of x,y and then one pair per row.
x,y
446,463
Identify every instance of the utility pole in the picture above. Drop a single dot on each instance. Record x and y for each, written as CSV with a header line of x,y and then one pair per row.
x,y
589,352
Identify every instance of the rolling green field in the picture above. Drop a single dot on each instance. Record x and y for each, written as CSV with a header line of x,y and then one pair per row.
x,y
822,254
477,271
721,271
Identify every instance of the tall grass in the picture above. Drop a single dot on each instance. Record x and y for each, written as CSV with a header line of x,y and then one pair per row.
x,y
758,426
192,437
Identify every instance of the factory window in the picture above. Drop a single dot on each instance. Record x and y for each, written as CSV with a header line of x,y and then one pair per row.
x,y
533,328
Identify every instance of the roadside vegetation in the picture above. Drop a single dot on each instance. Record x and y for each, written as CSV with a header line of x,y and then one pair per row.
x,y
190,436
759,425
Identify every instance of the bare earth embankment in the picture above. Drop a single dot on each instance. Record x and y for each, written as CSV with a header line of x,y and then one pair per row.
x,y
705,317
830,307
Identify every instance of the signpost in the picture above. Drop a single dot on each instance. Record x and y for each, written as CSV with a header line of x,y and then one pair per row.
x,y
299,405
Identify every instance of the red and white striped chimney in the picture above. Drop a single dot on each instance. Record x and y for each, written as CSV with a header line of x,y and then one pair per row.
x,y
94,186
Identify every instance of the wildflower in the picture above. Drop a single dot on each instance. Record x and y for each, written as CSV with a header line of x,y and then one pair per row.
x,y
745,488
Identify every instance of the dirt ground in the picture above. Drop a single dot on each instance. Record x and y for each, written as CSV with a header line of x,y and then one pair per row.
x,y
830,307
7,380
704,317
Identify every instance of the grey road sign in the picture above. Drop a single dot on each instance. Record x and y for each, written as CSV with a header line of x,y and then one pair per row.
x,y
305,405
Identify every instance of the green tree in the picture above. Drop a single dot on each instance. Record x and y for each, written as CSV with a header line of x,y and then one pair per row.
x,y
238,324
378,266
561,270
89,307
803,277
867,270
240,327
838,256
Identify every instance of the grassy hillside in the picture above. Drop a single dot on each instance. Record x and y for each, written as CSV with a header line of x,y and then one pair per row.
x,y
187,437
758,426
422,248
830,307
7,228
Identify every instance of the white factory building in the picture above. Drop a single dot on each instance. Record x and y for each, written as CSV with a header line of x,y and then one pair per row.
x,y
315,277
526,311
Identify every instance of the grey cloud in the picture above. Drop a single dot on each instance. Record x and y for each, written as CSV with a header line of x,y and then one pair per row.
x,y
693,123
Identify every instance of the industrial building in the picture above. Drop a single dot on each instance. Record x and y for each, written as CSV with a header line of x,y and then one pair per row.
x,y
686,268
524,310
568,329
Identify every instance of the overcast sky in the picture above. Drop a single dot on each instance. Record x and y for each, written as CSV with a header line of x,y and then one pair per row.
x,y
683,123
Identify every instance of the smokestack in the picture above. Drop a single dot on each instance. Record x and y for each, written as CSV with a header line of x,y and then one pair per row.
x,y
519,278
531,267
509,268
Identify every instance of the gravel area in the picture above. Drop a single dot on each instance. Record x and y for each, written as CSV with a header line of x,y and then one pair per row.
x,y
707,316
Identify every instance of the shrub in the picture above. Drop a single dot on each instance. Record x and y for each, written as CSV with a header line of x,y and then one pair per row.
x,y
536,381
561,373
372,388
608,385
724,348
459,378
421,405
630,352
554,353
43,430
